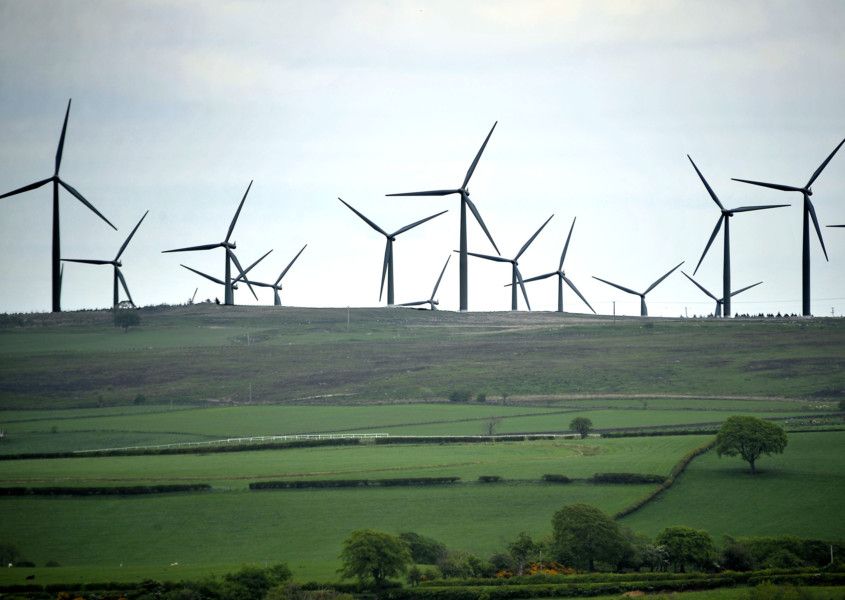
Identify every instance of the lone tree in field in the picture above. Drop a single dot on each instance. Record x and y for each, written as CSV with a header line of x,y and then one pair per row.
x,y
582,535
581,425
373,556
749,437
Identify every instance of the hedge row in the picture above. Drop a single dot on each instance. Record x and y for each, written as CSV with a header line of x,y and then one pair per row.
x,y
489,478
574,590
347,483
552,478
186,450
461,439
104,491
627,478
676,471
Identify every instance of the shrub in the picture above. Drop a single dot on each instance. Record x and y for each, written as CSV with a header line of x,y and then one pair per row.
x,y
460,396
687,547
481,398
126,318
104,491
139,399
552,478
489,478
424,550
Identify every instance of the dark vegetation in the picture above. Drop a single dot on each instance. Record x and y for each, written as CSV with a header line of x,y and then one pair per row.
x,y
346,483
750,437
117,490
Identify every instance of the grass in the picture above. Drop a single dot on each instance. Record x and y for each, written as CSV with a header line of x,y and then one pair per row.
x,y
797,493
206,353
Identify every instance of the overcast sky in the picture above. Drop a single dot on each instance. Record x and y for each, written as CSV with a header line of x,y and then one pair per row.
x,y
177,106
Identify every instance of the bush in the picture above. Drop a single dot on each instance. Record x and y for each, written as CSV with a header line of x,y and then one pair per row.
x,y
126,318
482,398
489,478
551,478
627,478
139,399
424,550
460,396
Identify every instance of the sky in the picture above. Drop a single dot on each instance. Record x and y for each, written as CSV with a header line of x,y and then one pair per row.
x,y
178,106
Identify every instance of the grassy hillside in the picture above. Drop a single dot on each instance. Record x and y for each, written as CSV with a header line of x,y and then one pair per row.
x,y
208,353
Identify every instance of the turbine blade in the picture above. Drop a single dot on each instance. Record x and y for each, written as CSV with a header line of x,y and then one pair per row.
x,y
533,237
710,241
413,303
623,288
243,272
824,164
420,222
489,257
26,188
79,197
201,274
365,219
748,287
88,261
774,186
443,270
62,141
290,264
818,229
706,185
193,248
701,287
126,243
384,268
522,287
575,289
428,193
566,245
125,287
237,213
655,284
481,222
836,225
763,207
474,164
537,277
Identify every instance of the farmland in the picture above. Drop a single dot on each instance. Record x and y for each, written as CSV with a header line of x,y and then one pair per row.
x,y
73,382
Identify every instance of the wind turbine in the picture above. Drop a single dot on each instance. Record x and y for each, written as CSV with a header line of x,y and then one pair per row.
x,y
724,217
561,276
809,212
465,202
232,283
229,297
516,276
116,264
720,301
387,267
643,309
277,286
431,301
57,181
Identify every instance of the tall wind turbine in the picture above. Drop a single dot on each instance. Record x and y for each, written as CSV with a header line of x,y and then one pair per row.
x,y
431,301
809,212
561,276
643,309
116,264
57,181
229,297
232,283
516,276
387,267
465,202
724,217
720,301
277,285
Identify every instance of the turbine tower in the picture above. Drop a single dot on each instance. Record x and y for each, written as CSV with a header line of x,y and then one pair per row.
x,y
229,297
387,267
720,301
233,283
465,202
431,301
809,212
643,309
116,264
57,181
277,285
561,276
724,217
516,276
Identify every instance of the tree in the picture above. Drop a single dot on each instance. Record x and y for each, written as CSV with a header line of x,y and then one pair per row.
x,y
581,425
424,550
523,550
749,437
583,535
126,318
374,556
685,547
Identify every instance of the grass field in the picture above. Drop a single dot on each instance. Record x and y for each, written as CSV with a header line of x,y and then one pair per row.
x,y
798,493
